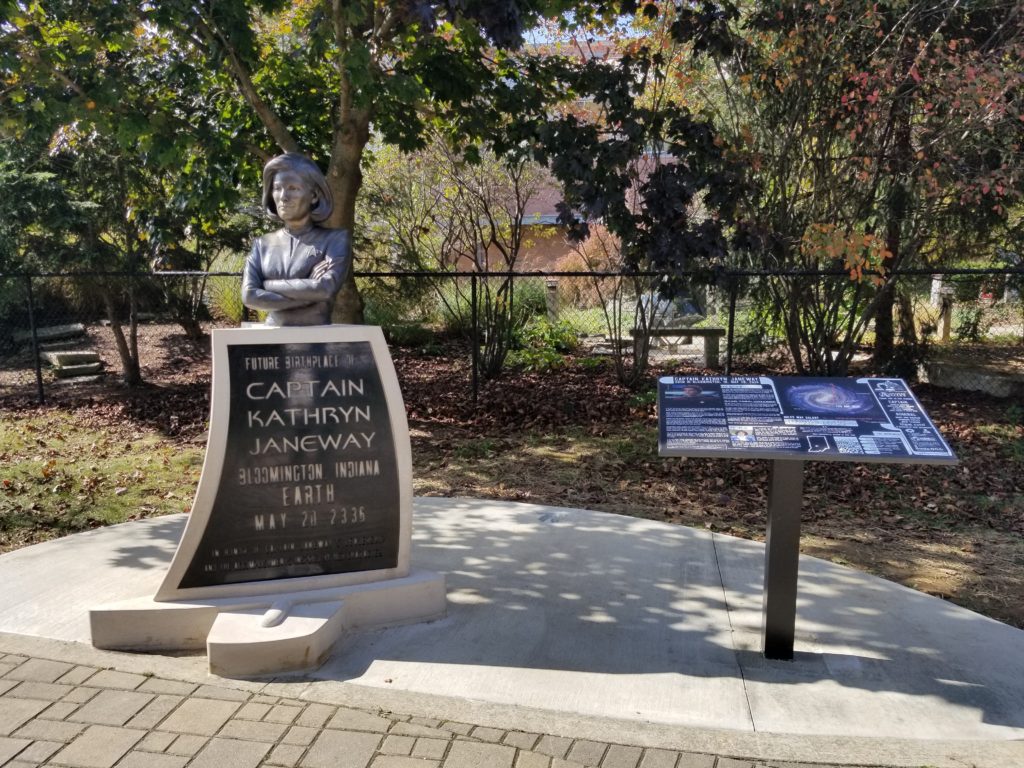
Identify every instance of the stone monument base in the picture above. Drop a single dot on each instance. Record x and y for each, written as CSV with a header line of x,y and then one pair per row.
x,y
262,635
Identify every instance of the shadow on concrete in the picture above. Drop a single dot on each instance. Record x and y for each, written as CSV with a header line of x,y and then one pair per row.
x,y
602,614
572,591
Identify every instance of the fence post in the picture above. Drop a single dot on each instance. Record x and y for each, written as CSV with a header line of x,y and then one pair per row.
x,y
475,340
733,290
35,339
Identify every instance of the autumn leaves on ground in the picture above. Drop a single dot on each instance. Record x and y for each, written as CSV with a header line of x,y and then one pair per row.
x,y
569,437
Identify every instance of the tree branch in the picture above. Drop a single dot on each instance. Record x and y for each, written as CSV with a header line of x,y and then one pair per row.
x,y
270,119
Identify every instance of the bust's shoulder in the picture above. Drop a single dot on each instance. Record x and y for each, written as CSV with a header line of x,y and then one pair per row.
x,y
270,239
336,242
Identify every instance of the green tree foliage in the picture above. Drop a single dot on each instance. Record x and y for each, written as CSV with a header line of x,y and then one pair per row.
x,y
652,172
271,75
110,110
323,76
876,135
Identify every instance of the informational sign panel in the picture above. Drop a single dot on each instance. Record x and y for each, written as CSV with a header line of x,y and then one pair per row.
x,y
791,417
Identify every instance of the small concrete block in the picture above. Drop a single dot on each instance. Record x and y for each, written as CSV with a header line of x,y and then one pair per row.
x,y
341,749
170,687
154,712
283,713
728,762
39,751
199,717
82,369
693,760
300,736
6,685
315,715
619,756
260,698
430,749
659,758
122,681
532,760
248,730
219,692
287,755
557,762
156,741
50,332
357,720
11,747
14,658
493,735
429,722
408,729
520,739
396,761
62,358
397,745
463,729
111,708
187,745
14,713
472,754
77,675
556,746
81,694
58,711
152,760
230,753
50,730
253,711
587,752
39,671
42,691
100,746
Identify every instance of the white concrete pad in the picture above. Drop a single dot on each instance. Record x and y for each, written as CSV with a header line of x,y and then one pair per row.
x,y
922,666
588,614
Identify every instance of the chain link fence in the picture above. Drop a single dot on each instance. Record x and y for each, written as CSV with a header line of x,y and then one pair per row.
x,y
961,329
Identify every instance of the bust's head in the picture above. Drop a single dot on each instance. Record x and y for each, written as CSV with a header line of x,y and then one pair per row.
x,y
298,167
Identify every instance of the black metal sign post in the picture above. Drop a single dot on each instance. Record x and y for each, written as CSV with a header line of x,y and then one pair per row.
x,y
781,556
790,420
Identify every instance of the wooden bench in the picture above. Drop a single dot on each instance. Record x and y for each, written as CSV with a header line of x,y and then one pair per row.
x,y
711,338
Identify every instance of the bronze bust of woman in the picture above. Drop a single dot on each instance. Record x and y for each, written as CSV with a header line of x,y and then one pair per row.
x,y
295,273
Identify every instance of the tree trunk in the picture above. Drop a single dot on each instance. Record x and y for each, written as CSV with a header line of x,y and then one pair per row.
x,y
345,177
884,329
131,372
791,314
896,213
908,328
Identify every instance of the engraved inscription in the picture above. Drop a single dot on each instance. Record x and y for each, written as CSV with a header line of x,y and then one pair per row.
x,y
310,480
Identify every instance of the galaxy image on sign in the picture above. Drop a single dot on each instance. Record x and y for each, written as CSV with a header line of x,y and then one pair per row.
x,y
828,399
774,417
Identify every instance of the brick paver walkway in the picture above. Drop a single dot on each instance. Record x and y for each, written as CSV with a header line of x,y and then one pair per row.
x,y
62,714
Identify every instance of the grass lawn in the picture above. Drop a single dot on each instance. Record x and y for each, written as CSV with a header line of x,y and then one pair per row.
x,y
63,475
